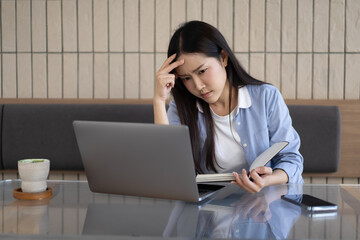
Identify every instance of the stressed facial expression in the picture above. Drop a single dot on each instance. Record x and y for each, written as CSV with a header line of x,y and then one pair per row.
x,y
204,77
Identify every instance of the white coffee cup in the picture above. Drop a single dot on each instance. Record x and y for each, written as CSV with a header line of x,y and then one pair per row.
x,y
33,174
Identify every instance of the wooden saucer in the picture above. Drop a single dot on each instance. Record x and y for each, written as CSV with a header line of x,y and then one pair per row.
x,y
19,194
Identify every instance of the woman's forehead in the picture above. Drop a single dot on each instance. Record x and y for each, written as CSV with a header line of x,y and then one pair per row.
x,y
192,56
192,61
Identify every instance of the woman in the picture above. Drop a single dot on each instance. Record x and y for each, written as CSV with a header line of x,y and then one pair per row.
x,y
232,117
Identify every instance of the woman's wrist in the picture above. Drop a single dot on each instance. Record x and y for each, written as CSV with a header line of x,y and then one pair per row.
x,y
278,176
159,101
160,116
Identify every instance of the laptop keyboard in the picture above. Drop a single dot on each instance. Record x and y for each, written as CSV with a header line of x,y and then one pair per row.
x,y
205,189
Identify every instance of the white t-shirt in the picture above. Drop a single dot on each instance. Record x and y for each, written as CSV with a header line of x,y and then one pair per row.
x,y
228,149
229,153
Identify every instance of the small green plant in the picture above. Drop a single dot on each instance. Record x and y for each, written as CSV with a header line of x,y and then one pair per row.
x,y
32,160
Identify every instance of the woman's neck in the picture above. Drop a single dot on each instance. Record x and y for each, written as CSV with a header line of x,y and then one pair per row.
x,y
221,107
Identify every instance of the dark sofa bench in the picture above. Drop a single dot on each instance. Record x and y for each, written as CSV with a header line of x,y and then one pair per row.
x,y
45,130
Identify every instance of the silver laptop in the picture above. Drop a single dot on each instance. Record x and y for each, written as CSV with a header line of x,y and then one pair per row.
x,y
140,159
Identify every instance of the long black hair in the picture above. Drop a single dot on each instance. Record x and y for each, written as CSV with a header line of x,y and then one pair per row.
x,y
200,37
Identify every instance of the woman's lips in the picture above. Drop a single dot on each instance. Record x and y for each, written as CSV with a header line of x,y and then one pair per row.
x,y
206,95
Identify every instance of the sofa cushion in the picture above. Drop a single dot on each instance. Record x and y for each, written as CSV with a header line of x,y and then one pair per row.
x,y
319,128
46,130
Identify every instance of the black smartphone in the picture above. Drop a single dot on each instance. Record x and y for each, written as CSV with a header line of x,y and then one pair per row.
x,y
310,203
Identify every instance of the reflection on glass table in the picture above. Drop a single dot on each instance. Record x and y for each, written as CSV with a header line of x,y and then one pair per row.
x,y
260,216
75,212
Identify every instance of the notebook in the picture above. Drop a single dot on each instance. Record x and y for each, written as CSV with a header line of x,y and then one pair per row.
x,y
140,159
261,160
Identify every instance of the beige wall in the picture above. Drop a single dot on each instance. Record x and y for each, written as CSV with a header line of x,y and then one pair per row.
x,y
309,49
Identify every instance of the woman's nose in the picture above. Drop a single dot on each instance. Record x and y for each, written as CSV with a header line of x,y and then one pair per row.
x,y
198,83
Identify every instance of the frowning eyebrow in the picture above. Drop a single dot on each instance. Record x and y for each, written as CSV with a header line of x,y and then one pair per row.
x,y
195,70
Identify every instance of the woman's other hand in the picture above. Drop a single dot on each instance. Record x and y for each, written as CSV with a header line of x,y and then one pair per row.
x,y
260,178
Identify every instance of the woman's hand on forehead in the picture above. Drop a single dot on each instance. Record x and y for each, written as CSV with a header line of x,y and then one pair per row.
x,y
169,65
165,80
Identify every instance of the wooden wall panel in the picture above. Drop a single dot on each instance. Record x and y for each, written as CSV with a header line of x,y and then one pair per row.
x,y
314,44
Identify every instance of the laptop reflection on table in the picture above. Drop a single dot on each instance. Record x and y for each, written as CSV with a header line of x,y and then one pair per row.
x,y
164,220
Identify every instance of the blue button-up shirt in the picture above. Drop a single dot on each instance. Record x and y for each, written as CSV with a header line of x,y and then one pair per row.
x,y
262,120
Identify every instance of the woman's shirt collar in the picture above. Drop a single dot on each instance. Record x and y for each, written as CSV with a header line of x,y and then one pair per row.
x,y
244,100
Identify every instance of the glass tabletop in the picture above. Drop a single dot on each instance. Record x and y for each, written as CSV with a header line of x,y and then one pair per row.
x,y
74,211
